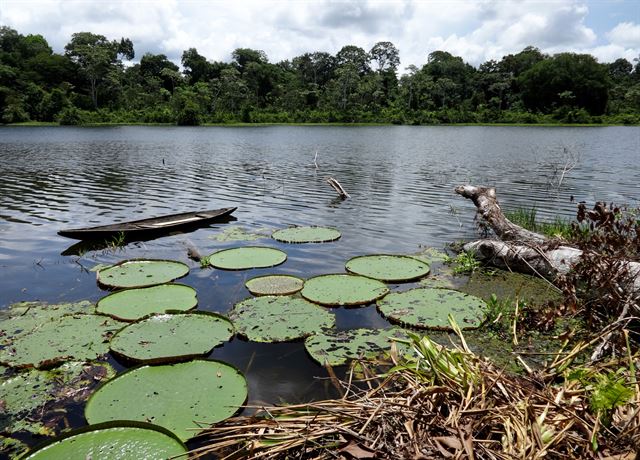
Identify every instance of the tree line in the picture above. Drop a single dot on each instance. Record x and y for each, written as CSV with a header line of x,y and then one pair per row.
x,y
89,83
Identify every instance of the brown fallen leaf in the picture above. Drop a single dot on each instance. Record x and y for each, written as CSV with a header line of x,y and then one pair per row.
x,y
355,450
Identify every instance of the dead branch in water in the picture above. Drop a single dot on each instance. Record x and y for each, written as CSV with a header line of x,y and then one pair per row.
x,y
337,187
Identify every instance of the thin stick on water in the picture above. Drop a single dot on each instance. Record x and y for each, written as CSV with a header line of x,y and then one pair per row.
x,y
337,187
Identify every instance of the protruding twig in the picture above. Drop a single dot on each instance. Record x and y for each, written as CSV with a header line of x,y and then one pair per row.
x,y
337,187
315,160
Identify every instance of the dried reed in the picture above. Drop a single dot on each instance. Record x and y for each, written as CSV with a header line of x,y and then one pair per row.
x,y
450,403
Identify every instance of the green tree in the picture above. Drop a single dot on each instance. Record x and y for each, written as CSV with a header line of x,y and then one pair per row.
x,y
386,56
354,57
97,57
545,85
196,67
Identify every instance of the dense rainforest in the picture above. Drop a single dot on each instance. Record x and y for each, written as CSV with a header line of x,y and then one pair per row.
x,y
90,83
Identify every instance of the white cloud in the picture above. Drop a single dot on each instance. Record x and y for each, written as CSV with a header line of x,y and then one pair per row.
x,y
477,30
625,34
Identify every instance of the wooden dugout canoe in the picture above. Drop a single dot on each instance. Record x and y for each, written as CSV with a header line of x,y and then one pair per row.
x,y
152,226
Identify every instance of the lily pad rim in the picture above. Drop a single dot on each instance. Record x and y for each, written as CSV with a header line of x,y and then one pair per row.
x,y
274,274
307,242
103,426
356,304
121,290
168,360
111,287
393,281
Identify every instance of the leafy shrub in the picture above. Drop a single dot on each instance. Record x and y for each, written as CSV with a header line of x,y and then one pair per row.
x,y
70,116
188,116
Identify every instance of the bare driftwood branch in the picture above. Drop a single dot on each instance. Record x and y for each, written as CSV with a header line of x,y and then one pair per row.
x,y
520,249
337,187
524,251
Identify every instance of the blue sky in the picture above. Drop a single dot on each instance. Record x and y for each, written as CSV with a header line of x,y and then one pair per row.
x,y
477,30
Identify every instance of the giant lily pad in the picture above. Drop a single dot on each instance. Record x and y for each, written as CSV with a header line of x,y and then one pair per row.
x,y
24,395
335,348
430,308
121,440
21,318
133,304
173,396
343,290
306,235
172,337
141,273
279,318
274,285
70,337
389,268
246,257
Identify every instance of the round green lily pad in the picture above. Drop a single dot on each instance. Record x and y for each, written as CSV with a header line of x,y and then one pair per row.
x,y
71,337
306,235
121,440
430,308
141,273
247,257
335,348
274,285
172,337
343,290
133,304
174,396
279,318
389,268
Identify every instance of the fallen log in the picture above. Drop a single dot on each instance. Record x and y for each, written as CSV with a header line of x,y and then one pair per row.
x,y
521,250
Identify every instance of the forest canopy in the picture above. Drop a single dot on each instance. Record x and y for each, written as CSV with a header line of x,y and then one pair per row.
x,y
95,80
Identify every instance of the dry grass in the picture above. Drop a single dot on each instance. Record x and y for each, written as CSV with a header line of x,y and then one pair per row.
x,y
449,403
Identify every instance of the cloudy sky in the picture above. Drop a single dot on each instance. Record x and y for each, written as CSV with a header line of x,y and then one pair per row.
x,y
477,30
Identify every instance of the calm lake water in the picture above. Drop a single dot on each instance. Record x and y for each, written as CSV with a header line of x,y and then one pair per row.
x,y
400,179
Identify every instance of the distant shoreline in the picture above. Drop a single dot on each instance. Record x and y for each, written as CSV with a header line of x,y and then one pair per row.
x,y
246,125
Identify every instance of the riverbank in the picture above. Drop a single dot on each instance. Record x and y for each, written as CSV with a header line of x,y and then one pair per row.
x,y
243,124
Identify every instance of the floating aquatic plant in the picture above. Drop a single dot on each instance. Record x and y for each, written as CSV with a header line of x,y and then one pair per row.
x,y
388,268
306,235
237,233
21,318
430,308
173,396
172,337
335,348
274,285
141,273
279,318
133,304
24,394
68,338
246,257
343,289
122,440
